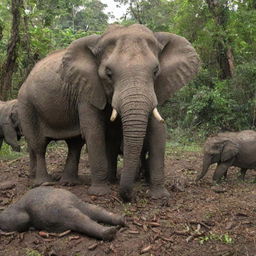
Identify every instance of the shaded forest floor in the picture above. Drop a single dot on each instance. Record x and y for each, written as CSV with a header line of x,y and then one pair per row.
x,y
198,220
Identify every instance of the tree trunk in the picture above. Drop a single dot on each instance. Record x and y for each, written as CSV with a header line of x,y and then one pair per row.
x,y
225,58
1,31
12,49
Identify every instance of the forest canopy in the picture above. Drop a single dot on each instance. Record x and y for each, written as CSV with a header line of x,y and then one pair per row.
x,y
223,95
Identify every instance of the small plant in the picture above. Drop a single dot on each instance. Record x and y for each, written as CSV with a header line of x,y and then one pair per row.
x,y
32,252
127,210
226,239
6,153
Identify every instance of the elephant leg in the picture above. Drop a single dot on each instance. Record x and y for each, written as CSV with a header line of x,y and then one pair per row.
x,y
144,168
157,139
226,175
242,173
99,214
92,123
32,163
78,221
42,175
221,170
70,174
113,144
34,133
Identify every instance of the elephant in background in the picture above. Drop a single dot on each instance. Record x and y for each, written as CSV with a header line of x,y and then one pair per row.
x,y
10,130
229,149
128,70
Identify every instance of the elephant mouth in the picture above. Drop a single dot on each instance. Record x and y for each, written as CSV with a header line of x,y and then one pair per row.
x,y
155,113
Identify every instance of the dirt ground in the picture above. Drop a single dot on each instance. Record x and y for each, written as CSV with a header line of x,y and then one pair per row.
x,y
198,220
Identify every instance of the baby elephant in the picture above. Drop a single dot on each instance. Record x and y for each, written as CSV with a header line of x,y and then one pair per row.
x,y
57,210
229,149
10,130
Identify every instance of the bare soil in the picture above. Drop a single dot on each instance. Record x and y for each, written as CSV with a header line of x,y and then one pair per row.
x,y
198,220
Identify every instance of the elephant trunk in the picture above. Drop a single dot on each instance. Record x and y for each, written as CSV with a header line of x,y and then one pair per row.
x,y
206,164
134,110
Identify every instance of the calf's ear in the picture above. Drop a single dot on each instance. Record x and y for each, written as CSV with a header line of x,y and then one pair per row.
x,y
230,150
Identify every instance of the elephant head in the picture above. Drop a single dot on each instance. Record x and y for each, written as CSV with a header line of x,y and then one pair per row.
x,y
11,130
217,149
134,70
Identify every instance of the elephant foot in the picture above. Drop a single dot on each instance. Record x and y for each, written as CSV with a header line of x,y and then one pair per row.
x,y
126,193
43,180
109,233
99,189
158,193
32,175
119,220
70,181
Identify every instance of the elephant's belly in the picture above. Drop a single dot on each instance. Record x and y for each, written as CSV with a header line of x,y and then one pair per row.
x,y
246,163
62,133
59,124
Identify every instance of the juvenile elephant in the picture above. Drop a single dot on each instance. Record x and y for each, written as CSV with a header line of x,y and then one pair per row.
x,y
10,131
57,210
129,70
229,149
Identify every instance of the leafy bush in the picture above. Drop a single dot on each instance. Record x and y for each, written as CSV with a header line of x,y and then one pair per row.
x,y
209,105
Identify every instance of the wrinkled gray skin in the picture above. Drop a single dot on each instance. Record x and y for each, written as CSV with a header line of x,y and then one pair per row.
x,y
71,91
10,131
57,210
229,149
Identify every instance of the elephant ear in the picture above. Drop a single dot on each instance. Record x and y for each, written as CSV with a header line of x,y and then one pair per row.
x,y
179,63
230,150
13,115
79,72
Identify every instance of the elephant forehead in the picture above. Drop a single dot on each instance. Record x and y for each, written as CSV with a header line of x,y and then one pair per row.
x,y
134,34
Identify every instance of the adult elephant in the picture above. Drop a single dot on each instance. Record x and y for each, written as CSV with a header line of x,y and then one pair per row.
x,y
130,68
10,131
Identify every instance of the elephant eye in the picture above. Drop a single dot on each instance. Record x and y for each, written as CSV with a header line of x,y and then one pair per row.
x,y
108,73
156,71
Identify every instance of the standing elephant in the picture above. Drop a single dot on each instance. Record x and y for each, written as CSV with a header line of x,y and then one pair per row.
x,y
128,69
10,131
229,149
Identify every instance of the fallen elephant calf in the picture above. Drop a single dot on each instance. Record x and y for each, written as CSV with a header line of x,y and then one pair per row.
x,y
57,210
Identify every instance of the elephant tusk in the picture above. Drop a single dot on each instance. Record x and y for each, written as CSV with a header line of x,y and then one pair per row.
x,y
157,115
113,115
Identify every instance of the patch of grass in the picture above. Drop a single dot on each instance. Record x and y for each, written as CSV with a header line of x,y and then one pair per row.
x,y
6,152
32,252
176,148
181,141
224,238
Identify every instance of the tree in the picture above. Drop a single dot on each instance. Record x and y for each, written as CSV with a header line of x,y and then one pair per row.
x,y
220,13
8,67
155,14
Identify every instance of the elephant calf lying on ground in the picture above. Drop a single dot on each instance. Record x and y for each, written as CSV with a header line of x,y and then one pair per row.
x,y
10,130
230,149
57,210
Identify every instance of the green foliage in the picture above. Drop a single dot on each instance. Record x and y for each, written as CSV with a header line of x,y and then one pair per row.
x,y
32,252
6,153
209,105
225,238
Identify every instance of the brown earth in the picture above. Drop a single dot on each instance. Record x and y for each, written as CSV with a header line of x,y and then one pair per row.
x,y
198,220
